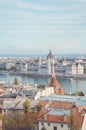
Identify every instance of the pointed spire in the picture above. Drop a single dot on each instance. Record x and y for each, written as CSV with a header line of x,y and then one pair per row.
x,y
50,55
53,71
50,52
54,83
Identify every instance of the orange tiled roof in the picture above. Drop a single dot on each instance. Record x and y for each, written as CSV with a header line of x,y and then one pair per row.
x,y
53,118
54,82
57,87
80,120
43,103
56,104
60,118
59,91
80,108
60,105
44,116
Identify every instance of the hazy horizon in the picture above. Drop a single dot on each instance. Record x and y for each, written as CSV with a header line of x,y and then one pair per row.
x,y
43,54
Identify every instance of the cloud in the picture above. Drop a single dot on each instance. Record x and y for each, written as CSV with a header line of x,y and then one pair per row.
x,y
63,0
30,25
27,5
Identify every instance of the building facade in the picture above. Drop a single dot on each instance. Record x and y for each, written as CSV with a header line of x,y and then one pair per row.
x,y
42,66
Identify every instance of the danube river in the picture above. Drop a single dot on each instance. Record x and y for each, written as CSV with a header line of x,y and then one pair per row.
x,y
69,85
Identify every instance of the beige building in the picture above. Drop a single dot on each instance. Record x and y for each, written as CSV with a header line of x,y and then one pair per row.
x,y
75,68
55,119
84,123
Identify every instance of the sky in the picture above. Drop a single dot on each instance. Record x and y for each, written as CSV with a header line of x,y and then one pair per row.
x,y
36,26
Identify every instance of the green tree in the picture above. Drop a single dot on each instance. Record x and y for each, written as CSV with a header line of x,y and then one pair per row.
x,y
26,106
9,124
22,123
28,120
15,81
74,120
38,107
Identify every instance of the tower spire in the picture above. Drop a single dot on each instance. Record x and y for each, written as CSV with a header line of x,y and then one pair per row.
x,y
54,83
53,71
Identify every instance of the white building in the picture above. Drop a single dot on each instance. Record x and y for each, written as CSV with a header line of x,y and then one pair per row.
x,y
55,119
35,94
75,68
84,123
10,65
24,67
63,67
38,66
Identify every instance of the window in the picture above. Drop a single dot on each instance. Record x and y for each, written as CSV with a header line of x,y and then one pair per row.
x,y
48,124
62,125
4,110
68,125
55,128
42,123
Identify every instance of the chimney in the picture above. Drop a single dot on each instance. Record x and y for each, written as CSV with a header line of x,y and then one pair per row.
x,y
64,118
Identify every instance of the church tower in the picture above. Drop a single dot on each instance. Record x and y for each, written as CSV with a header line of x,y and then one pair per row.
x,y
53,83
48,67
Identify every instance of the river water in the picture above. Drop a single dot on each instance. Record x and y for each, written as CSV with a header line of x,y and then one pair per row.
x,y
68,85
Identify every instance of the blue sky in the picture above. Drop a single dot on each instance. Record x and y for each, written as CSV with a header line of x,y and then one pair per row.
x,y
31,26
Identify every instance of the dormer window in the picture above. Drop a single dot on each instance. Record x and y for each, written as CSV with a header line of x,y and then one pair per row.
x,y
62,125
42,123
48,124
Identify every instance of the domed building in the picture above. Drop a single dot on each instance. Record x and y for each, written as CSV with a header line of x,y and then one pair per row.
x,y
50,57
41,66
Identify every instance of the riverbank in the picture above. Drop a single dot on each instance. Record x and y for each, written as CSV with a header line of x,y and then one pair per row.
x,y
68,84
49,76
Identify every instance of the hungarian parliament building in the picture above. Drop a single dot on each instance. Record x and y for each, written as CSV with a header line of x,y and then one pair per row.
x,y
62,67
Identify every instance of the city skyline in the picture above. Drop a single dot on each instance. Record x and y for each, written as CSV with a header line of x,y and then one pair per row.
x,y
35,26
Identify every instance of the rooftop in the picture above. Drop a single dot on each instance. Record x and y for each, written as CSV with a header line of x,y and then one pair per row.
x,y
59,112
79,100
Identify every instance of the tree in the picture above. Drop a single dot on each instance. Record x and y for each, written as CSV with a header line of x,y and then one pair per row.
x,y
28,120
80,93
9,124
74,119
21,122
38,107
15,81
26,106
72,122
